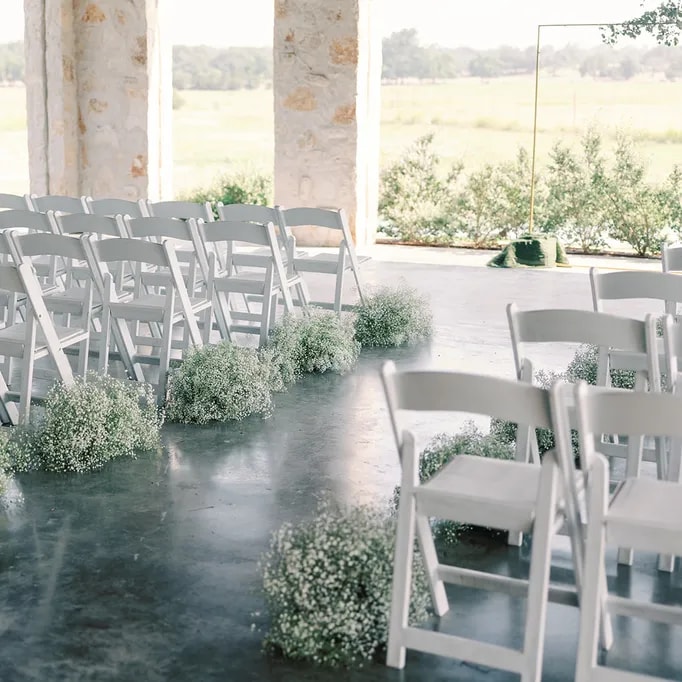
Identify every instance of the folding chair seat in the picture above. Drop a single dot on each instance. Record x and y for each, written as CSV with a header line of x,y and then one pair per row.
x,y
254,213
58,203
161,311
507,495
16,202
32,340
68,297
642,513
335,263
226,284
113,207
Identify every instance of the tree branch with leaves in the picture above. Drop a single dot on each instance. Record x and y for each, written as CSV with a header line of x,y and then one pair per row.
x,y
664,23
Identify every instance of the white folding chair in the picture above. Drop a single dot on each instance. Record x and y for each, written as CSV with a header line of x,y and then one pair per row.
x,y
643,513
226,284
507,495
32,340
69,297
335,263
255,213
532,328
16,202
161,311
180,233
113,207
58,203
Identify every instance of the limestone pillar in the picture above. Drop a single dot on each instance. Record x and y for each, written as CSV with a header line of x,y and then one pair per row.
x,y
327,68
98,88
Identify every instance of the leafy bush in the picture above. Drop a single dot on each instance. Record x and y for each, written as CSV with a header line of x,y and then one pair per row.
x,y
219,383
86,425
639,213
583,367
238,188
416,203
576,192
319,341
393,316
445,447
495,201
327,584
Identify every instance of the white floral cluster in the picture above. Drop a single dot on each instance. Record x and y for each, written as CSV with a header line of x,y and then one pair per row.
x,y
393,316
219,383
85,425
327,584
319,341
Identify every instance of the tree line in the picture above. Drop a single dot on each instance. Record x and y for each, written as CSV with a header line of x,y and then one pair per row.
x,y
404,58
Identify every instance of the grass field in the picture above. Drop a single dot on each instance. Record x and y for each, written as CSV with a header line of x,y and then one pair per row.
x,y
473,120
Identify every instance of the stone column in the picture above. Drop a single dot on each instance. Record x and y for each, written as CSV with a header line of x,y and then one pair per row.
x,y
327,67
97,85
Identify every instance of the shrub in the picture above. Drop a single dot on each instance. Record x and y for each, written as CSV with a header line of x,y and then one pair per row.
x,y
495,201
416,201
319,341
327,584
445,447
219,383
85,425
639,213
576,188
393,316
238,188
583,367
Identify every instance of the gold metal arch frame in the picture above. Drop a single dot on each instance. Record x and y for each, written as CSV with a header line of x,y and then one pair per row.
x,y
535,100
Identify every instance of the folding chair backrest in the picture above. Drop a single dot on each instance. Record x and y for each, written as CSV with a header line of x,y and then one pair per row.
x,y
60,203
112,207
16,202
231,231
633,413
42,244
248,213
158,228
30,220
134,250
80,223
432,390
671,258
182,210
315,217
635,284
573,326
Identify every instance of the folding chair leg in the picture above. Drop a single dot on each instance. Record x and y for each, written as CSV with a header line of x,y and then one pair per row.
x,y
164,359
438,596
666,562
27,374
538,581
402,581
632,470
8,409
338,293
595,577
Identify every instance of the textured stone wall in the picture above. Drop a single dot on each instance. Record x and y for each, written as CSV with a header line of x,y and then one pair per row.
x,y
326,85
97,73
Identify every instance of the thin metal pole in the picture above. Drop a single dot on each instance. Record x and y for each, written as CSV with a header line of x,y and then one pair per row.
x,y
535,132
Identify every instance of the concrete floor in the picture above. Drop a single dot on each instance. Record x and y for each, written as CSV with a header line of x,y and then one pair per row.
x,y
148,570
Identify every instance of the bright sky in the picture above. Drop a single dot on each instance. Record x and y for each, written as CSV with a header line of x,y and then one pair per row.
x,y
444,22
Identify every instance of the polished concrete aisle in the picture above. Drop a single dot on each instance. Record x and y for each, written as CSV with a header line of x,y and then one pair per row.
x,y
148,570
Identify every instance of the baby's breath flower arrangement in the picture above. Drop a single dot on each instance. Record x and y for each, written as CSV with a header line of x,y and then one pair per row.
x,y
219,383
393,316
319,341
85,425
445,447
327,584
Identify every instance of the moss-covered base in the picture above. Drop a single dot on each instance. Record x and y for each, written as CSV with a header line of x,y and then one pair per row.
x,y
531,251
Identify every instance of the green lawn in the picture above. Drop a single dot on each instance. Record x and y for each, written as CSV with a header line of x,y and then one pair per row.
x,y
473,120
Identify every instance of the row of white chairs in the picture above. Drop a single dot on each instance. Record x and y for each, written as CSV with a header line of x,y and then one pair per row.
x,y
336,262
112,274
558,494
